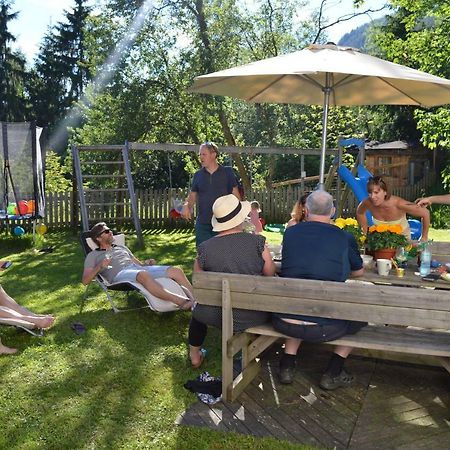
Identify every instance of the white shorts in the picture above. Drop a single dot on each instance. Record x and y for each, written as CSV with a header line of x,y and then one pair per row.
x,y
130,273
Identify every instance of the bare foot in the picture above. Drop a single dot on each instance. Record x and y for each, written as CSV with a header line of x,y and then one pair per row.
x,y
4,350
186,306
188,294
43,322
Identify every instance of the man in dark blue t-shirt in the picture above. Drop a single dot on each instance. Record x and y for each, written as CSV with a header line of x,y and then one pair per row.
x,y
318,250
210,182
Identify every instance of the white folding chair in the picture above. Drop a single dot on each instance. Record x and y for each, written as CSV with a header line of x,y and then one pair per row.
x,y
154,303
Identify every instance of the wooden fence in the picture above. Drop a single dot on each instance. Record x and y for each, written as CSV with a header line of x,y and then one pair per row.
x,y
154,205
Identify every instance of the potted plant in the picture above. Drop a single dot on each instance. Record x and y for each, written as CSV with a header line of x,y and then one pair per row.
x,y
383,240
351,226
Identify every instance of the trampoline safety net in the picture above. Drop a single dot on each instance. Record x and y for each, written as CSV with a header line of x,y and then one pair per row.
x,y
22,176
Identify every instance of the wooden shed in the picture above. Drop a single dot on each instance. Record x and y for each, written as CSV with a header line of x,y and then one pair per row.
x,y
398,163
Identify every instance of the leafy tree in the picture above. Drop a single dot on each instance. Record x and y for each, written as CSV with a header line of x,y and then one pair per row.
x,y
148,99
57,173
62,69
418,35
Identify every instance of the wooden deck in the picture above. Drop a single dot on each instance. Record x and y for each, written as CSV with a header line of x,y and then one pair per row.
x,y
390,406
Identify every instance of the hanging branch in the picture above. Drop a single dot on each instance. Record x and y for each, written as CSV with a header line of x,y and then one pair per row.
x,y
344,18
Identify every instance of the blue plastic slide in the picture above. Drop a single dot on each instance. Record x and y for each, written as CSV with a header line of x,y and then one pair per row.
x,y
357,184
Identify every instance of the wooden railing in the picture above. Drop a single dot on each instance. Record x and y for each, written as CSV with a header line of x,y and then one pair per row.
x,y
154,205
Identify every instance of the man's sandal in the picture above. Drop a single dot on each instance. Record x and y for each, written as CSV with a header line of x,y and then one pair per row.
x,y
202,352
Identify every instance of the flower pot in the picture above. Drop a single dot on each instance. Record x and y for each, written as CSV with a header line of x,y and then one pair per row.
x,y
385,253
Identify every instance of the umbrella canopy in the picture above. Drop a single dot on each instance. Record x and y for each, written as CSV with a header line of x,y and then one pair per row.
x,y
327,75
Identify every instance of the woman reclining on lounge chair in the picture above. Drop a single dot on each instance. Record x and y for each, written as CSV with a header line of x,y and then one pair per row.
x,y
10,309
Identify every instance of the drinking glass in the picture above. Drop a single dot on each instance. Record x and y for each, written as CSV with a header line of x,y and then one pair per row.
x,y
401,256
108,255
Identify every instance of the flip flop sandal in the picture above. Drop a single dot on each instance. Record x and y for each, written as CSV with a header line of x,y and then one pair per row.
x,y
203,353
46,250
78,327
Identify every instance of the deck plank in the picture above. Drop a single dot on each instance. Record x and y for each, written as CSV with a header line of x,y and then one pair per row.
x,y
392,405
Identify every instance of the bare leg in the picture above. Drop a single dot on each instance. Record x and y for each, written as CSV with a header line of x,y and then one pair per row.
x,y
343,350
4,350
9,302
291,346
39,321
157,290
179,276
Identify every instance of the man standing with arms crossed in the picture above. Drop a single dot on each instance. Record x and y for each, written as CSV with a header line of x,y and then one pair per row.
x,y
210,182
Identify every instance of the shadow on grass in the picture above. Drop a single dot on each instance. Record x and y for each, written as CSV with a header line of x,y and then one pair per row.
x,y
118,384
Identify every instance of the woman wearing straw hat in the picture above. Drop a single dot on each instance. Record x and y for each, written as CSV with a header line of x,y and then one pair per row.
x,y
231,251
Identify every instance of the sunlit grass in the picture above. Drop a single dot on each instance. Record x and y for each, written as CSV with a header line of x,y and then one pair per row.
x,y
120,384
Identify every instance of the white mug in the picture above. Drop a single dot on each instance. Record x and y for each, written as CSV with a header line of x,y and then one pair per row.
x,y
384,266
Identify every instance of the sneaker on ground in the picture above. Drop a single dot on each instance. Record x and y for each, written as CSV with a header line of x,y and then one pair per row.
x,y
342,380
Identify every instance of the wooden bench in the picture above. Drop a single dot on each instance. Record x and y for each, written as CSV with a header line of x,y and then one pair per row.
x,y
427,310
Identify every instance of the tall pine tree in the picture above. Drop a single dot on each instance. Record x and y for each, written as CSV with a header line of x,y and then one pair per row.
x,y
12,71
61,72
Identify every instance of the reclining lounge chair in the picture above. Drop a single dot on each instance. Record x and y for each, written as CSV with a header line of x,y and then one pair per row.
x,y
154,303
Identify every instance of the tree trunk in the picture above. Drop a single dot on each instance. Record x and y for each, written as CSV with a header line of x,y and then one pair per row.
x,y
246,182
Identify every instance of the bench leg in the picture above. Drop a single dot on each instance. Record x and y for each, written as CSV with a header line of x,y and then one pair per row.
x,y
227,335
445,363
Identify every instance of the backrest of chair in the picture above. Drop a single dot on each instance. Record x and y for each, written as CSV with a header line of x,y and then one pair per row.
x,y
83,241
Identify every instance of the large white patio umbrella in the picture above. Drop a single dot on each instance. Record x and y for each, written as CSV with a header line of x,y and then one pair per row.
x,y
327,75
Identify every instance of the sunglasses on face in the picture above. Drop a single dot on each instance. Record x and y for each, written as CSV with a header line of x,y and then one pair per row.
x,y
107,230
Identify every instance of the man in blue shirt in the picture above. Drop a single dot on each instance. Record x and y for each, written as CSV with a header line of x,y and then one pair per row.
x,y
318,250
210,182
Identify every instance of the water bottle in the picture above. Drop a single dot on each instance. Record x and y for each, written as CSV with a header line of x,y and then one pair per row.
x,y
425,261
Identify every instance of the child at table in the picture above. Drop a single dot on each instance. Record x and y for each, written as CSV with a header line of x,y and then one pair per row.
x,y
254,216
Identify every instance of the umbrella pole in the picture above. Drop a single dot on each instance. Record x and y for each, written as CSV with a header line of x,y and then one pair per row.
x,y
326,103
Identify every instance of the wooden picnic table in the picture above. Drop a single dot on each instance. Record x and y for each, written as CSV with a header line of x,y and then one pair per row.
x,y
410,279
440,251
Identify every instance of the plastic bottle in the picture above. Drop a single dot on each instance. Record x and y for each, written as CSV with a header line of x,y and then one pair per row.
x,y
425,261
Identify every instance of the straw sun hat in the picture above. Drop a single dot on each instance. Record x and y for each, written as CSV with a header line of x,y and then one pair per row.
x,y
229,212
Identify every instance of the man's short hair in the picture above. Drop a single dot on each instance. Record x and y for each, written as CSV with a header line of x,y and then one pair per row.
x,y
319,203
96,230
211,146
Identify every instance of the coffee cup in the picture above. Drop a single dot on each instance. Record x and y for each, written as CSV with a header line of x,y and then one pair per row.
x,y
384,266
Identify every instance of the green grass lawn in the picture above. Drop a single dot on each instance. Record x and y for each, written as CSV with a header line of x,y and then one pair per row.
x,y
119,385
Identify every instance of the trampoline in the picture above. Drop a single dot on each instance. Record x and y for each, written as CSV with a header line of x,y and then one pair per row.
x,y
22,181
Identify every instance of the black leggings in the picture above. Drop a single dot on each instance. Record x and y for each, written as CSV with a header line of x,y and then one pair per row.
x,y
197,332
317,333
